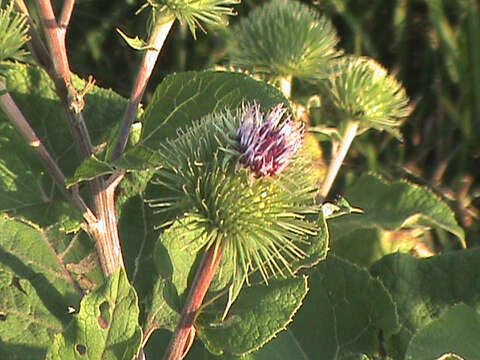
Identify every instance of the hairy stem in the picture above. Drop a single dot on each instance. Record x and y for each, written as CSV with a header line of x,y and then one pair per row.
x,y
184,334
104,231
337,160
157,39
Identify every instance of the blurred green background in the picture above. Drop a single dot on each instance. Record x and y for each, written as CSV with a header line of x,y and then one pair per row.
x,y
432,46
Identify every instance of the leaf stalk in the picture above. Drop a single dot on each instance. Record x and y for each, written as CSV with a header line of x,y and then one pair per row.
x,y
184,334
158,36
350,132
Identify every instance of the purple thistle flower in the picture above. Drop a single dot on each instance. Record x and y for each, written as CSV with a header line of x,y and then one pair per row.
x,y
268,144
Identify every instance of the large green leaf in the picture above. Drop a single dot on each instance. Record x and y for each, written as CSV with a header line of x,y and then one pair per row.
x,y
423,289
388,206
347,313
186,97
25,188
176,267
259,313
105,328
456,331
36,287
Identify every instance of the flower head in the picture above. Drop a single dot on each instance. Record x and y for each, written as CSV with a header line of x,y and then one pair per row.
x,y
265,224
268,144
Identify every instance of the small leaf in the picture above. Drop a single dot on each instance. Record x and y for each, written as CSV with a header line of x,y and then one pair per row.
x,y
135,43
455,332
260,312
106,326
423,289
89,169
347,311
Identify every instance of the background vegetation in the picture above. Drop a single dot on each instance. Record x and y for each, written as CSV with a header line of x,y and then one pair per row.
x,y
431,45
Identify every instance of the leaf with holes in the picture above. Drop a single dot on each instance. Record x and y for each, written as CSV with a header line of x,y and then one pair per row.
x,y
106,327
36,287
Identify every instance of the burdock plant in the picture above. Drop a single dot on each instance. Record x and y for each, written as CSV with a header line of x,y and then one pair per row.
x,y
89,271
239,178
282,40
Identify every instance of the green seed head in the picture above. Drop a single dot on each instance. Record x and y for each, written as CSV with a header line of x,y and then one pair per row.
x,y
284,38
361,90
259,217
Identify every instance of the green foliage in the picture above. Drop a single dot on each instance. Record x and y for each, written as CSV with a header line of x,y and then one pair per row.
x,y
26,188
89,169
344,313
36,288
405,308
424,289
176,264
455,331
284,38
184,98
388,207
14,30
259,313
106,326
361,90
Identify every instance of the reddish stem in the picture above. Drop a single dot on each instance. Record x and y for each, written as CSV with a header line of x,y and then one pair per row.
x,y
157,39
185,332
104,230
65,17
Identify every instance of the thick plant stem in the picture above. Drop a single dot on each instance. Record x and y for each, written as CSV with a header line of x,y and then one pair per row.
x,y
184,334
62,78
36,45
104,231
337,160
157,39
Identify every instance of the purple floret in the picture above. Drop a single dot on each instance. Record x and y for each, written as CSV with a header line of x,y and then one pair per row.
x,y
268,144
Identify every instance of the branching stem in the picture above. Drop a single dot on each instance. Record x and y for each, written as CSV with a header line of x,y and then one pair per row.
x,y
23,127
104,231
184,334
65,16
336,162
157,39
